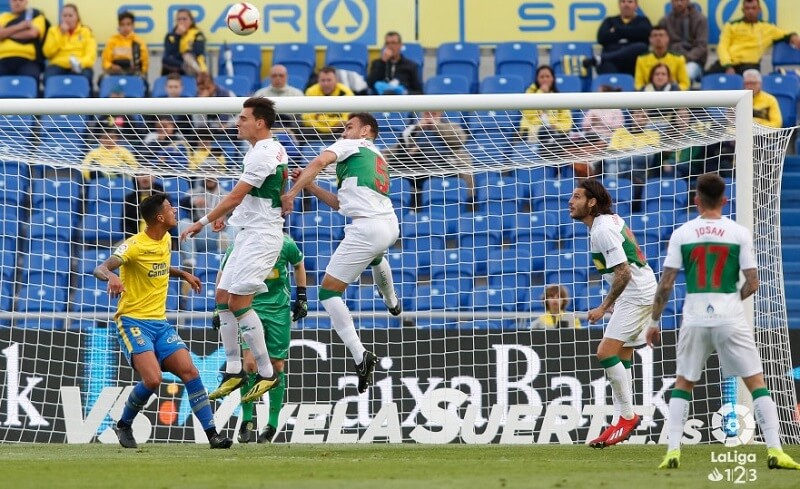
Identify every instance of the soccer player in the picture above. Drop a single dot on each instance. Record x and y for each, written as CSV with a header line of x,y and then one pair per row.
x,y
256,205
150,344
713,250
362,176
619,259
273,308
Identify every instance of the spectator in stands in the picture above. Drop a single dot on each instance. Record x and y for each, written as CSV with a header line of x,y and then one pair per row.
x,y
599,124
70,47
22,32
184,47
129,127
689,160
393,73
660,80
165,135
635,167
556,299
326,125
107,154
206,87
549,127
125,52
432,141
766,110
202,198
623,37
206,155
687,28
744,41
660,55
144,186
174,89
279,86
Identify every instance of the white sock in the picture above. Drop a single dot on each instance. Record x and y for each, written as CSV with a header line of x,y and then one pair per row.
x,y
344,326
382,276
617,402
621,389
677,416
253,334
767,418
230,341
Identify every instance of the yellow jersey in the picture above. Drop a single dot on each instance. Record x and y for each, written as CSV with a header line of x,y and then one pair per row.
x,y
11,48
59,46
766,110
675,62
113,158
623,138
145,275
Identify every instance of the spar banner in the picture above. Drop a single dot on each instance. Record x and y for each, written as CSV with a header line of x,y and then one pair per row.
x,y
431,386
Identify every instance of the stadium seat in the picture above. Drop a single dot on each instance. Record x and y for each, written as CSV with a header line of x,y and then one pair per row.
x,y
567,268
443,190
16,131
446,85
486,299
623,81
240,85
103,225
323,224
160,87
105,189
721,81
365,299
784,54
61,194
456,267
51,224
62,135
416,53
401,192
620,189
479,231
569,83
176,188
518,59
509,267
18,87
92,296
785,89
436,297
90,258
459,58
246,62
534,226
299,59
351,56
566,58
132,86
503,84
14,182
67,86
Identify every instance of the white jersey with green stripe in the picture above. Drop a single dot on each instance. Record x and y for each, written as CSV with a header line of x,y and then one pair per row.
x,y
265,168
712,252
612,243
362,177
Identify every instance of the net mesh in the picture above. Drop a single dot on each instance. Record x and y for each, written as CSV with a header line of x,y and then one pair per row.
x,y
482,200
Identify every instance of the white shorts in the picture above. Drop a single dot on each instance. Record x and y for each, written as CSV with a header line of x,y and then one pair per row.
x,y
255,252
364,240
628,322
735,346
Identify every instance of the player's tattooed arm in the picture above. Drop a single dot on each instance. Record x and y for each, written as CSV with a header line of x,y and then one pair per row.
x,y
750,283
665,286
622,275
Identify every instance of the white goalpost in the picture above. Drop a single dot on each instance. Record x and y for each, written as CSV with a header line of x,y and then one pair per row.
x,y
480,190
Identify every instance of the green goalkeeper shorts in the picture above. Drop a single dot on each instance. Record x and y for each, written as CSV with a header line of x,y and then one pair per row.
x,y
277,331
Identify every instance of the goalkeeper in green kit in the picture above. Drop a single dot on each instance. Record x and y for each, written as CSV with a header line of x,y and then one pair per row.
x,y
276,312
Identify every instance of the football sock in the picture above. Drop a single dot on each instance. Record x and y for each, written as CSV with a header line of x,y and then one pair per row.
x,y
198,400
276,400
247,407
229,334
620,385
382,276
136,401
253,334
678,413
343,323
767,417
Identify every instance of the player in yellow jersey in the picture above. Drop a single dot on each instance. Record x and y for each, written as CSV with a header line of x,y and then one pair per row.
x,y
148,341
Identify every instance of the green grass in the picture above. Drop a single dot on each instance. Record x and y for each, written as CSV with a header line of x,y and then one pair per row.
x,y
155,466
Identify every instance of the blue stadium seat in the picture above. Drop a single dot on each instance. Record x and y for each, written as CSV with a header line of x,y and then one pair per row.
x,y
67,86
103,225
567,268
18,87
351,56
446,85
534,226
784,54
90,258
459,58
516,58
299,59
722,81
569,83
240,85
43,292
566,58
132,86
61,194
665,194
443,190
623,81
207,265
33,263
436,297
14,182
92,296
479,230
502,84
108,190
653,227
456,267
785,89
325,225
401,192
365,299
486,299
246,62
51,224
160,87
16,131
620,189
509,268
8,265
416,53
176,188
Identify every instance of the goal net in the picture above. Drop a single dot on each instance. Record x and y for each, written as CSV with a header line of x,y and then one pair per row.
x,y
480,185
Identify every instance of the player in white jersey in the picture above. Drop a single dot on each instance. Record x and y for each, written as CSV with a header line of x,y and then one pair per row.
x,y
712,249
362,178
257,216
619,259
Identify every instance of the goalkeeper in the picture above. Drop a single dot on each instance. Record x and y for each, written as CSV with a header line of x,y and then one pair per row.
x,y
273,308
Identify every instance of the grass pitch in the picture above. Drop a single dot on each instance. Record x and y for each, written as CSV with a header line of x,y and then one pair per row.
x,y
170,466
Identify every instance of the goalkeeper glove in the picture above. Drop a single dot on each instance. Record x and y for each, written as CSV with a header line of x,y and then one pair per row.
x,y
215,320
300,306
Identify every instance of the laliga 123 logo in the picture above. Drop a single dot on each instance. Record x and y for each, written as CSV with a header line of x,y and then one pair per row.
x,y
733,419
